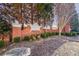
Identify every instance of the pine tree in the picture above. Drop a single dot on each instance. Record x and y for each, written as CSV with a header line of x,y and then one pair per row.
x,y
74,23
4,28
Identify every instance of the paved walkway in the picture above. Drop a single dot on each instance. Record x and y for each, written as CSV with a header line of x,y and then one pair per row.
x,y
68,49
51,46
74,38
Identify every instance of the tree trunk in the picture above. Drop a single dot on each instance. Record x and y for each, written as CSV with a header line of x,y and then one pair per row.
x,y
2,36
38,13
38,21
60,30
44,22
10,35
22,21
50,27
32,13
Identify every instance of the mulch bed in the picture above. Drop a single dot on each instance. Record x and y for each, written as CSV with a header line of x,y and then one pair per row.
x,y
44,47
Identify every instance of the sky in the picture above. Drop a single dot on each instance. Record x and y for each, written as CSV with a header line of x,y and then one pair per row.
x,y
55,23
77,7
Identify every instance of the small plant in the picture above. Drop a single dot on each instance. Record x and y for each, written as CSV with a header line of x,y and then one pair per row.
x,y
43,35
17,39
50,33
62,33
70,34
73,33
37,37
67,34
55,33
33,37
26,38
2,43
77,33
46,34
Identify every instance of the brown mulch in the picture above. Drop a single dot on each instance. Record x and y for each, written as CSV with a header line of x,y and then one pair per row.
x,y
45,47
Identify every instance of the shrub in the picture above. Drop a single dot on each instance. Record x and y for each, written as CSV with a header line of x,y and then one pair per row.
x,y
70,34
37,36
49,33
63,33
55,33
26,38
77,33
44,35
73,33
32,37
17,39
2,43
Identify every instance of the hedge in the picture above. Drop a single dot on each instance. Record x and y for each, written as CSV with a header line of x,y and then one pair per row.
x,y
17,39
2,43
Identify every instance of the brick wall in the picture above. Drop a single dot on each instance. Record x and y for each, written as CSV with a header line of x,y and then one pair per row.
x,y
16,31
4,37
66,28
27,31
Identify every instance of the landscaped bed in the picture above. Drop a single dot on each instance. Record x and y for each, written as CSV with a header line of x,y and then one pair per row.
x,y
41,47
50,46
44,44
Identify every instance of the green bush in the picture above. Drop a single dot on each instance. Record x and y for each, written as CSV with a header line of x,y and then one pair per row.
x,y
49,33
55,33
37,37
44,35
2,43
63,33
69,34
73,33
17,39
33,37
77,33
26,38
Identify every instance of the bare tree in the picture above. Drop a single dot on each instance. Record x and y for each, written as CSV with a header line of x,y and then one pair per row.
x,y
65,12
